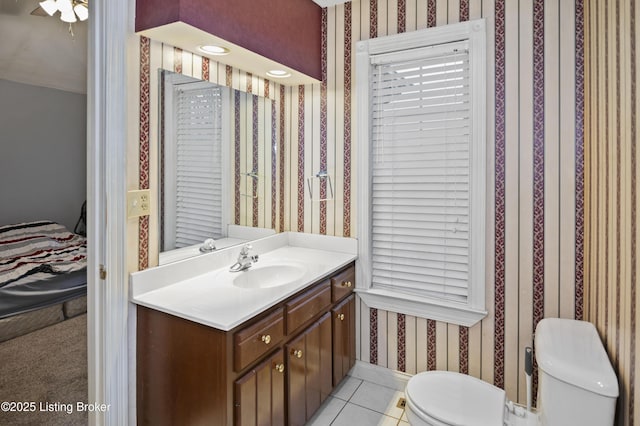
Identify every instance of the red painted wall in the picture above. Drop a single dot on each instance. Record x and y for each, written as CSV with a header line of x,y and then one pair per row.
x,y
287,31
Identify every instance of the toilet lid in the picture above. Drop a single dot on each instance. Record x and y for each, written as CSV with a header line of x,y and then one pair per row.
x,y
457,399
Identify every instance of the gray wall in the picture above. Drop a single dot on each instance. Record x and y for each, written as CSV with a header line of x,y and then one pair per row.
x,y
42,154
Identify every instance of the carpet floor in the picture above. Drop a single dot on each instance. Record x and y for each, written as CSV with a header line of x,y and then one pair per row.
x,y
47,370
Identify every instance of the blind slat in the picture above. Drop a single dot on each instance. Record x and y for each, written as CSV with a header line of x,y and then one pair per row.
x,y
436,88
421,274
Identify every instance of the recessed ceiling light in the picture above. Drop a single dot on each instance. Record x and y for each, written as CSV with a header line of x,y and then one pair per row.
x,y
278,74
214,50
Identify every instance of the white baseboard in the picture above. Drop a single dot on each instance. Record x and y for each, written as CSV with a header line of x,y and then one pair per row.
x,y
380,375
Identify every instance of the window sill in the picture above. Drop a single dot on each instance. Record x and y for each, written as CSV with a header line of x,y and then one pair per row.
x,y
421,307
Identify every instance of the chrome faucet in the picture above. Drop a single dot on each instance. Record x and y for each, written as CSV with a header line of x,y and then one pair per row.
x,y
244,260
209,245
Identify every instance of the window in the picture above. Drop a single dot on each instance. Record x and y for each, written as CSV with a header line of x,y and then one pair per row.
x,y
194,172
422,151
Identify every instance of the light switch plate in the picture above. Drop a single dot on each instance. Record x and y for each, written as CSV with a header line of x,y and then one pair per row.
x,y
138,203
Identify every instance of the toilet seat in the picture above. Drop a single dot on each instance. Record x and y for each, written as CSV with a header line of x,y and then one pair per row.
x,y
455,399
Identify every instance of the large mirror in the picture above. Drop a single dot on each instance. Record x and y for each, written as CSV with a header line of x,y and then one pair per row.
x,y
217,166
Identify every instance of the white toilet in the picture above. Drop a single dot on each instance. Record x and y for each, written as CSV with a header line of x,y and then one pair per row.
x,y
576,386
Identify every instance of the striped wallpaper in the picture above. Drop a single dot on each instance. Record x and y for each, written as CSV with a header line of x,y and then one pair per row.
x,y
611,191
538,196
534,252
254,167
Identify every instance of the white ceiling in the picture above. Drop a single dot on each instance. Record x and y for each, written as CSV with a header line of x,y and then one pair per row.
x,y
39,50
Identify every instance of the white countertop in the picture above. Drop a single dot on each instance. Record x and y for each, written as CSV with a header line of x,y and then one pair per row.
x,y
201,289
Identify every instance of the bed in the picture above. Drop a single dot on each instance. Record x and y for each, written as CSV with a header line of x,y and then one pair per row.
x,y
43,276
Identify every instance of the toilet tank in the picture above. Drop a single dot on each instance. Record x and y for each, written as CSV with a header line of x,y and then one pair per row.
x,y
576,383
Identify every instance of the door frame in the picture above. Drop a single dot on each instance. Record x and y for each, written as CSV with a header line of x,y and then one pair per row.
x,y
107,286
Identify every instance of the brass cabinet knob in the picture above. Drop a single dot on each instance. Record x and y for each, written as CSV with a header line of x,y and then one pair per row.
x,y
346,284
297,353
266,339
340,317
279,368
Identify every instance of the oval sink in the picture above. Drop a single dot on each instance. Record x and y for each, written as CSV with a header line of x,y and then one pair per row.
x,y
269,276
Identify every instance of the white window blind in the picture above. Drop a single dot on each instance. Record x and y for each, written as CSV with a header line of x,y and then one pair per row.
x,y
198,178
420,171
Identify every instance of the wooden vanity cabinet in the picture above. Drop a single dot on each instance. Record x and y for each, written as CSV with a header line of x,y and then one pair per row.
x,y
182,370
274,369
344,341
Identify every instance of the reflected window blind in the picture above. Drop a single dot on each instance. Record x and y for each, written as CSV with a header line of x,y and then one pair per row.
x,y
198,166
420,170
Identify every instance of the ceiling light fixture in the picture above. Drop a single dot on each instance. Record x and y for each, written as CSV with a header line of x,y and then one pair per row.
x,y
82,10
214,50
49,6
70,10
278,74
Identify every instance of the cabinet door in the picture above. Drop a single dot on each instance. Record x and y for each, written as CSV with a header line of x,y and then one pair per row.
x,y
296,372
308,360
318,364
259,394
344,342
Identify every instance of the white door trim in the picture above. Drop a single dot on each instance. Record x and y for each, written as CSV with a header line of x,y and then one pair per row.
x,y
106,211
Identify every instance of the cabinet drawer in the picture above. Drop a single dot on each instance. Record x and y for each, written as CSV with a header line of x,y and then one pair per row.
x,y
343,284
255,340
308,305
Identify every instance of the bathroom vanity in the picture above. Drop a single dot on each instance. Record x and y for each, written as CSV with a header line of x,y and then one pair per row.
x,y
268,350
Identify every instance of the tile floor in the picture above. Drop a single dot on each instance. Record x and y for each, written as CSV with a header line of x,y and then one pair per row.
x,y
357,402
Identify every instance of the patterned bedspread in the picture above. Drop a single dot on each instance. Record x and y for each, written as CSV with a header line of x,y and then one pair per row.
x,y
44,246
